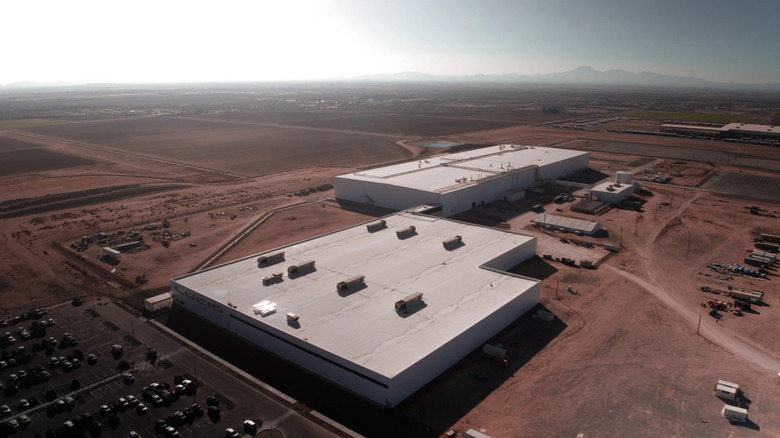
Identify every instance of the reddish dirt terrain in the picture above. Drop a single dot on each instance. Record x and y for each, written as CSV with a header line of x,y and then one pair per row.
x,y
623,357
241,148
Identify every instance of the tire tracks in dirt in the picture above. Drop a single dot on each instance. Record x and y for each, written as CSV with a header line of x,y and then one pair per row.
x,y
712,331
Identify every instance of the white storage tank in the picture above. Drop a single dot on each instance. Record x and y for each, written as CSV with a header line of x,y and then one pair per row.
x,y
623,177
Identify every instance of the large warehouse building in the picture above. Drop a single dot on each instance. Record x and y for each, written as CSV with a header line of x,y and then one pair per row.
x,y
461,181
380,308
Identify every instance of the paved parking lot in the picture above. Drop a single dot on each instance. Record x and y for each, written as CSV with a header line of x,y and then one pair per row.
x,y
98,325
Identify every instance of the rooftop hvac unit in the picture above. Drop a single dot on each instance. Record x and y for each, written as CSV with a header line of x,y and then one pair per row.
x,y
344,285
408,231
300,267
452,242
406,302
270,259
275,277
265,308
293,317
376,226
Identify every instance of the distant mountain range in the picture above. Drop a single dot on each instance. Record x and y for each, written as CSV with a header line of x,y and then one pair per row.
x,y
580,76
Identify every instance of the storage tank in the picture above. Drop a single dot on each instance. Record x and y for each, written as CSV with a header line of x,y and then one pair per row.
x,y
637,186
623,177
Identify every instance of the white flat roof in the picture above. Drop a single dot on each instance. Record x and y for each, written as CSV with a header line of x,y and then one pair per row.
x,y
602,188
363,326
453,171
584,226
695,127
759,129
734,127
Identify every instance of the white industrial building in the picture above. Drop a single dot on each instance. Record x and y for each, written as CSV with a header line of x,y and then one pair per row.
x,y
379,308
614,193
611,193
460,181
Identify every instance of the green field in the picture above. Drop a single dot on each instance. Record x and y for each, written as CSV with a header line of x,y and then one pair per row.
x,y
19,124
691,117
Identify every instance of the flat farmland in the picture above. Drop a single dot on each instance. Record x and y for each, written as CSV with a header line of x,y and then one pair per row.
x,y
279,117
249,149
20,161
304,117
403,124
10,144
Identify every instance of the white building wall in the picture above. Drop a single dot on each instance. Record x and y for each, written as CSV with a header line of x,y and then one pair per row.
x,y
419,374
341,372
510,259
563,167
472,196
382,193
352,377
611,197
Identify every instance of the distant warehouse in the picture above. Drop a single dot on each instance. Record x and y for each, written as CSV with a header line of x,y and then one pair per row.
x,y
461,181
731,130
379,309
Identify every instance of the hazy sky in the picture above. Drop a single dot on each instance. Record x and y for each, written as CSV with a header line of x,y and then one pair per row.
x,y
231,40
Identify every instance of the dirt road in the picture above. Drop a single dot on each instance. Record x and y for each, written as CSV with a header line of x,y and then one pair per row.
x,y
709,328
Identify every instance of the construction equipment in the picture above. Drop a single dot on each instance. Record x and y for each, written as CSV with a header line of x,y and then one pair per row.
x,y
499,362
716,304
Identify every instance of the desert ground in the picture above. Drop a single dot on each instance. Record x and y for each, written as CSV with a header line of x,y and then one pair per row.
x,y
632,352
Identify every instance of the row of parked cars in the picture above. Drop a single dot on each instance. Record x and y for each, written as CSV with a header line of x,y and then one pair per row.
x,y
33,314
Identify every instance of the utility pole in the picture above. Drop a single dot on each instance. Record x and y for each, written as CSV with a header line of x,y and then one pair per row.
x,y
689,246
195,368
698,326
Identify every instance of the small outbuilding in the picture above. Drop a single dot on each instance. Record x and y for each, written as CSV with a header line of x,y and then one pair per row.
x,y
111,252
158,302
612,192
734,413
726,390
568,224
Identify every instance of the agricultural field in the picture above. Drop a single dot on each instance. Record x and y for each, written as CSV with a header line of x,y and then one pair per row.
x,y
20,161
403,124
248,149
691,117
19,124
10,144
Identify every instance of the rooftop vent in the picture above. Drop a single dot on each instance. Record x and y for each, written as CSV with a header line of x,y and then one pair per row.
x,y
408,231
344,285
274,278
265,308
452,242
406,302
293,317
376,226
270,259
300,267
